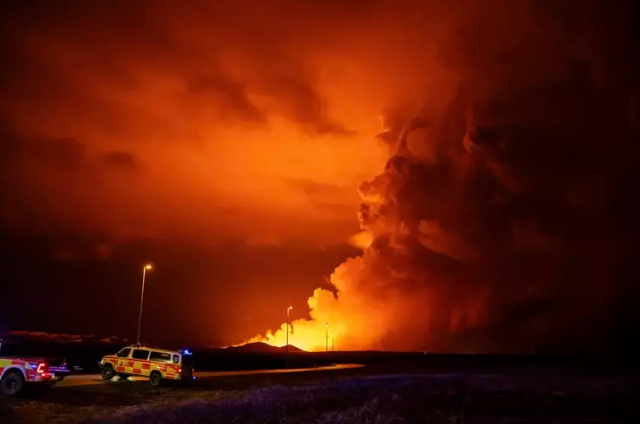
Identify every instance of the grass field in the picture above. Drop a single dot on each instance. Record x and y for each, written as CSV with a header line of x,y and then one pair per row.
x,y
366,395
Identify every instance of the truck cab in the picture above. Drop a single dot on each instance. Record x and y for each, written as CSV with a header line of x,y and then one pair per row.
x,y
18,369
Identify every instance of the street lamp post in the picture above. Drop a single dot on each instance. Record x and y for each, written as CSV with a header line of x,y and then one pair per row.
x,y
287,345
146,268
326,336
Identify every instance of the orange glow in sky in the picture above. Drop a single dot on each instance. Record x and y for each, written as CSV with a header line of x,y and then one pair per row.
x,y
208,126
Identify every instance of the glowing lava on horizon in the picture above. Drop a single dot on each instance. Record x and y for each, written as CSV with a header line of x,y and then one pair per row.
x,y
350,325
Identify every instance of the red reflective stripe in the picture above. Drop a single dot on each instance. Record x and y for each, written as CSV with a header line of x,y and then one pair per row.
x,y
120,369
129,362
1,370
144,361
146,366
137,371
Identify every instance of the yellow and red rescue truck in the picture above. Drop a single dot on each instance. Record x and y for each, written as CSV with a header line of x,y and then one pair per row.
x,y
17,371
142,361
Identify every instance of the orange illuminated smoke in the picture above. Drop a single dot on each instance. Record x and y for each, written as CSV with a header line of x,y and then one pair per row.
x,y
357,322
368,309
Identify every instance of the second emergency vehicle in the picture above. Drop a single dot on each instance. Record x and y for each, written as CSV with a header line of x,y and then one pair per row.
x,y
142,361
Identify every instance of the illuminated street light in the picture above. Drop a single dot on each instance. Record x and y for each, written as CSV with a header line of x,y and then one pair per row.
x,y
327,336
145,268
287,345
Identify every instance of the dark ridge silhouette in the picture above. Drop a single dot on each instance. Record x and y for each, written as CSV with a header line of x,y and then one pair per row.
x,y
63,337
292,348
260,347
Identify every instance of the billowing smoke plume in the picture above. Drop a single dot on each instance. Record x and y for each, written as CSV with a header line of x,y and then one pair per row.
x,y
507,219
506,216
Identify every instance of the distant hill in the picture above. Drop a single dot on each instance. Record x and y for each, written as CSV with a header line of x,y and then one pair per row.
x,y
260,347
62,338
39,336
292,348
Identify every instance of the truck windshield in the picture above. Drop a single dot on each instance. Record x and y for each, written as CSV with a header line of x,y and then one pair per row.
x,y
124,353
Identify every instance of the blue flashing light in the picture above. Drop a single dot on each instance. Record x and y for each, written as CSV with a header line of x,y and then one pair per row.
x,y
187,352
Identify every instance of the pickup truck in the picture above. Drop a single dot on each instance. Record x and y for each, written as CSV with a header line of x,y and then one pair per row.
x,y
18,371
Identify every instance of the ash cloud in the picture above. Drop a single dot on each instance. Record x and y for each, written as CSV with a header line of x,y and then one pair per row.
x,y
194,96
117,159
505,216
515,229
47,185
230,98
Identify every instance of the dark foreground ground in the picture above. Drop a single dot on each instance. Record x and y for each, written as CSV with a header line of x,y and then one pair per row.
x,y
386,391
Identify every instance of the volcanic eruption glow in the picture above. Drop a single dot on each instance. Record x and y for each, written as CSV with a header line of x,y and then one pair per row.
x,y
484,222
354,322
358,317
237,144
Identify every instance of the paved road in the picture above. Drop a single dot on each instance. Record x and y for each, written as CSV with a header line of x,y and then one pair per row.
x,y
92,379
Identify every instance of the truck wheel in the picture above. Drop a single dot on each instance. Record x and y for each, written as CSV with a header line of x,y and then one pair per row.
x,y
107,372
155,379
12,383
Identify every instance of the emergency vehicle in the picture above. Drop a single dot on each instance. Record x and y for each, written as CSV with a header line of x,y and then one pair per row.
x,y
142,361
18,371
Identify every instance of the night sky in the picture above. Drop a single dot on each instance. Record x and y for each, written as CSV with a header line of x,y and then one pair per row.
x,y
485,152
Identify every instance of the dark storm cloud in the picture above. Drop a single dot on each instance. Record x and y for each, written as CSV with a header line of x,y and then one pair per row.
x,y
230,98
111,36
119,160
64,153
181,90
304,105
35,178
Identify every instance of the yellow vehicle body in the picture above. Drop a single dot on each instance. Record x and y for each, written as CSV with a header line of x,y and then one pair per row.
x,y
147,362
